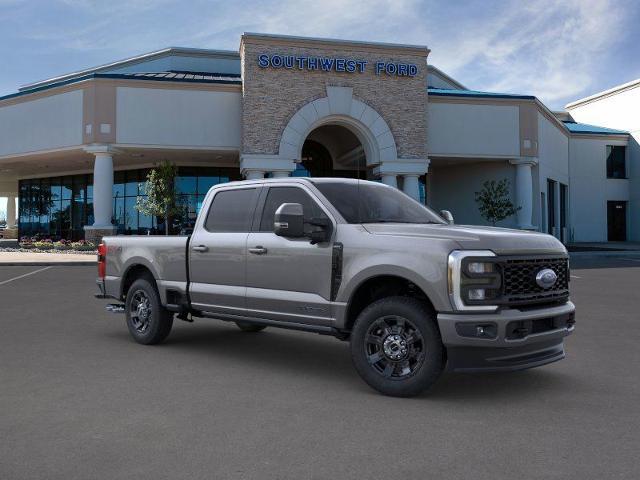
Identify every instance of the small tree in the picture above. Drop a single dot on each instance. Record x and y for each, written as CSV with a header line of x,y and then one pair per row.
x,y
494,201
161,199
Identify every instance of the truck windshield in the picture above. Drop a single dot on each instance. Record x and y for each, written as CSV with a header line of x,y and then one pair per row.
x,y
375,203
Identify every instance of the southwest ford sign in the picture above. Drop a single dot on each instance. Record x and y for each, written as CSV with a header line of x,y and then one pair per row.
x,y
334,64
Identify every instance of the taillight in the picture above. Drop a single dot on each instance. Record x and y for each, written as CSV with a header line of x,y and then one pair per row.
x,y
102,260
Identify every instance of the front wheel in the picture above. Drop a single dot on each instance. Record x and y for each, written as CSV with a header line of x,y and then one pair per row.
x,y
148,321
396,346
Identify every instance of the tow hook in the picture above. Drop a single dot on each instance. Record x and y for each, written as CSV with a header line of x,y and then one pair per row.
x,y
115,308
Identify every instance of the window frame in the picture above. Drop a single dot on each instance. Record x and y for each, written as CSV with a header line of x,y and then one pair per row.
x,y
202,222
625,175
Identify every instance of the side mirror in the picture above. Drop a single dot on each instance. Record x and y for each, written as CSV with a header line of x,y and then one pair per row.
x,y
446,214
288,220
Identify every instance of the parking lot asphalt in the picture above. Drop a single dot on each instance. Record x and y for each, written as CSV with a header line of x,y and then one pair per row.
x,y
80,400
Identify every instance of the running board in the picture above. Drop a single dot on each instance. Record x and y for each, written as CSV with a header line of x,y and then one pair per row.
x,y
115,308
321,329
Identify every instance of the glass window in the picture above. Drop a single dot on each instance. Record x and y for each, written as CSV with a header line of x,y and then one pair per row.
x,y
279,195
67,188
131,183
187,184
616,164
231,211
375,203
130,215
205,183
118,184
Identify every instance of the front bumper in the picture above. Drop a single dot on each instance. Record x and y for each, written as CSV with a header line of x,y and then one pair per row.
x,y
509,339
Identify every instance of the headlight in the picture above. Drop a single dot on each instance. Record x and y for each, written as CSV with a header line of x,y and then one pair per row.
x,y
474,280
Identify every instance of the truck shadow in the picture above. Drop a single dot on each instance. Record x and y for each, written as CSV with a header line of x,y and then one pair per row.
x,y
328,360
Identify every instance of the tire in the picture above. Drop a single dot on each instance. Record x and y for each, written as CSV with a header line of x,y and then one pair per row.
x,y
396,346
250,327
148,324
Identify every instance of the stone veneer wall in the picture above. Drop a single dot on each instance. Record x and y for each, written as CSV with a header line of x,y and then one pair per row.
x,y
271,96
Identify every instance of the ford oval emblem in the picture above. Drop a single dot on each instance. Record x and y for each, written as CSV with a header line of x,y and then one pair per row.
x,y
546,278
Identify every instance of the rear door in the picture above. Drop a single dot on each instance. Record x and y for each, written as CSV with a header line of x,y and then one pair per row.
x,y
218,252
288,279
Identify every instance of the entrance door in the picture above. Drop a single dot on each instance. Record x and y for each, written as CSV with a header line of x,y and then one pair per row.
x,y
288,279
617,221
218,252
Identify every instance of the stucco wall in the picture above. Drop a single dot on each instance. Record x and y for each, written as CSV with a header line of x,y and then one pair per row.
x,y
453,188
590,189
271,96
470,129
620,111
553,163
45,123
191,118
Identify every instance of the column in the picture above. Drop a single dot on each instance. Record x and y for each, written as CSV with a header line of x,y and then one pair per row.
x,y
11,212
253,174
524,191
390,179
411,186
102,193
253,165
410,170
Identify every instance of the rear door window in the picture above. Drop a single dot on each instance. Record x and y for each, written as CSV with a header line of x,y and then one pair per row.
x,y
231,211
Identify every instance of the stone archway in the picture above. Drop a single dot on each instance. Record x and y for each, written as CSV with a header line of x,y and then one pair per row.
x,y
340,108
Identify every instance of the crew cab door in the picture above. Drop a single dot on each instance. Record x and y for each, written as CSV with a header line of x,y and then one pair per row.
x,y
218,251
288,279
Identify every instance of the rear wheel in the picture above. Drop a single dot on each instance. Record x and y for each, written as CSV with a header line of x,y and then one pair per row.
x,y
250,327
148,321
396,346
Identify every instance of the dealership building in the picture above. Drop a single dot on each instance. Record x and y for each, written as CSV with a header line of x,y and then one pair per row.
x,y
75,150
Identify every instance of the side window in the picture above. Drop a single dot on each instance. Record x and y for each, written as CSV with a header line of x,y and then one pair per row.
x,y
231,211
279,195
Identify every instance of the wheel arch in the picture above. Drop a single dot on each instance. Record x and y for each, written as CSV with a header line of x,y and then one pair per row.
x,y
381,285
132,273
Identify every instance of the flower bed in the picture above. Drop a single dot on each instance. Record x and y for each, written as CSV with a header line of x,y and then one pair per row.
x,y
47,245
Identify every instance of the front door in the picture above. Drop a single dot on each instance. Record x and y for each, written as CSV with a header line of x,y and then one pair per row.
x,y
617,221
288,279
218,252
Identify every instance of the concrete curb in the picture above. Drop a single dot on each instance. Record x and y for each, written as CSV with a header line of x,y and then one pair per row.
x,y
606,253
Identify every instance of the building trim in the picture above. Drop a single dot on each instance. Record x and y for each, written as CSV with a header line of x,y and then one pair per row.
x,y
315,42
604,94
230,84
510,100
145,57
432,70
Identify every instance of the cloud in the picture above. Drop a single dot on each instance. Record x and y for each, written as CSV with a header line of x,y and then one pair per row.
x,y
547,48
557,50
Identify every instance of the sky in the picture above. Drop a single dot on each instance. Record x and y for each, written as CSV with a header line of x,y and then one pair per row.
x,y
557,50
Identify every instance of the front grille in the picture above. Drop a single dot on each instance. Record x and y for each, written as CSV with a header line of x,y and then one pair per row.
x,y
519,285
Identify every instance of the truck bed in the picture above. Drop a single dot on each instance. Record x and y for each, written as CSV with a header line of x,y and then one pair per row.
x,y
164,256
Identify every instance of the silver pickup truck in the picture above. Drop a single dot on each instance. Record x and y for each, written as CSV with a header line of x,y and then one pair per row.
x,y
357,260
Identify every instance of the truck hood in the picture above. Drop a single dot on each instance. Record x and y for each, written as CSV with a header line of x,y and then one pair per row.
x,y
503,241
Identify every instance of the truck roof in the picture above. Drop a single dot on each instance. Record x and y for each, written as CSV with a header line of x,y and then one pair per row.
x,y
353,181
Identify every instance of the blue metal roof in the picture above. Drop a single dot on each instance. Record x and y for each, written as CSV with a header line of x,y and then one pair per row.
x,y
585,128
475,93
188,77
